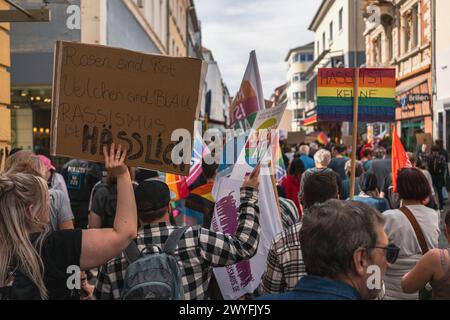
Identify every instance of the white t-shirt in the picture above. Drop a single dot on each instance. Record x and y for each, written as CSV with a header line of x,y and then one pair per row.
x,y
401,233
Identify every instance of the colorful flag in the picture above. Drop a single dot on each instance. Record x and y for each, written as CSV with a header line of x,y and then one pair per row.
x,y
250,98
178,186
248,116
400,159
198,152
322,138
376,93
277,158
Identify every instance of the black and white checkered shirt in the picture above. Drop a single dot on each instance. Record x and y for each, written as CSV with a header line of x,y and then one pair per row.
x,y
198,252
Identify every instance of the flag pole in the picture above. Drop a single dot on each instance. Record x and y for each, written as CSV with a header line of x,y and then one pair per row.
x,y
355,107
355,132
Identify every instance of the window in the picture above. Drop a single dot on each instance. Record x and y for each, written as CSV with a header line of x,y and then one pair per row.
x,y
299,96
323,41
298,114
302,57
318,48
390,50
331,31
377,50
411,29
341,19
303,96
297,77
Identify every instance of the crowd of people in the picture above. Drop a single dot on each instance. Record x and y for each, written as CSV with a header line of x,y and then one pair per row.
x,y
117,225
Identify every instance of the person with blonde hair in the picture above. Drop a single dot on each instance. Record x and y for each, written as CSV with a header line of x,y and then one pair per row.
x,y
61,216
37,263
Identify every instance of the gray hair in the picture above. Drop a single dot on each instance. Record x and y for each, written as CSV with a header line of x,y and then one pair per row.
x,y
332,232
359,168
323,157
304,150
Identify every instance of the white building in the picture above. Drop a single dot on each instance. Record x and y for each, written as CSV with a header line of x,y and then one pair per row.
x,y
338,29
216,102
298,61
442,71
136,25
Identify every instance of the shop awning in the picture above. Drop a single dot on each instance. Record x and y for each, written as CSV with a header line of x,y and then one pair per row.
x,y
310,121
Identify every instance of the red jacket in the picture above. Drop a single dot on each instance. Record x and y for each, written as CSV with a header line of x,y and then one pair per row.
x,y
291,185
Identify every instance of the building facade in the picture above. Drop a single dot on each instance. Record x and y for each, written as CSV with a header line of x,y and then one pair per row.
x,y
442,72
178,17
194,34
403,39
338,43
143,27
298,61
5,93
216,102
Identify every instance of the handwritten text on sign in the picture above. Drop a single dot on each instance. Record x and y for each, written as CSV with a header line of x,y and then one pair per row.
x,y
376,94
104,95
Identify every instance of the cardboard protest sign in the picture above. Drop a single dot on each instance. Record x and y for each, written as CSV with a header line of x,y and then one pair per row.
x,y
376,92
424,138
347,141
5,124
296,138
103,95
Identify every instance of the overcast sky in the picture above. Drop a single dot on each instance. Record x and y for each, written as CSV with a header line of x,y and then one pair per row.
x,y
233,28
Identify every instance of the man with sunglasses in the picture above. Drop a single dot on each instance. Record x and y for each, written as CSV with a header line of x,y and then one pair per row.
x,y
346,253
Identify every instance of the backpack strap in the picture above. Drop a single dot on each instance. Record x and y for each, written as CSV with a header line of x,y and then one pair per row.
x,y
172,241
417,230
132,252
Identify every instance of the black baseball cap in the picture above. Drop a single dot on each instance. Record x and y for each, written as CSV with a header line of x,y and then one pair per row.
x,y
152,195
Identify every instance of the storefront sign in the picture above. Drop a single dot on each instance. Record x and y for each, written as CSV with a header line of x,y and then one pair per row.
x,y
418,98
103,95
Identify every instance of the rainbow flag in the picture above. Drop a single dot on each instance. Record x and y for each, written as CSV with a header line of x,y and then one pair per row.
x,y
376,92
198,152
323,139
178,186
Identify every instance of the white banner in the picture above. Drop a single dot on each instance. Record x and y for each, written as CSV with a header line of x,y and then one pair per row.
x,y
244,277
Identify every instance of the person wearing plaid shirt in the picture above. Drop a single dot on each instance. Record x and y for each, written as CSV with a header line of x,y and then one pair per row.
x,y
199,250
285,264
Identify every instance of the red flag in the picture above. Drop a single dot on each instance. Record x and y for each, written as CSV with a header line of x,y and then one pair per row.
x,y
400,159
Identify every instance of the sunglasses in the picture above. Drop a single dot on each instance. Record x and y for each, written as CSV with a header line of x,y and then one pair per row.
x,y
392,252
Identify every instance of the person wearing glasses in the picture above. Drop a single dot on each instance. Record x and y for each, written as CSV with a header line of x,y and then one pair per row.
x,y
347,261
414,228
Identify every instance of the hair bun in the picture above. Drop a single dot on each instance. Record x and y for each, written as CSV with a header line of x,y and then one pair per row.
x,y
6,185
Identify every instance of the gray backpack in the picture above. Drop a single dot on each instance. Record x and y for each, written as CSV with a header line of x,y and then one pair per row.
x,y
154,276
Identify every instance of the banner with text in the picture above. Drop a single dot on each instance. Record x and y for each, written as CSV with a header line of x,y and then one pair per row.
x,y
376,92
